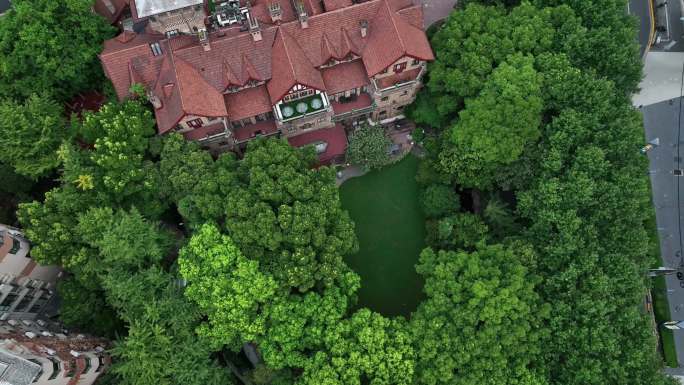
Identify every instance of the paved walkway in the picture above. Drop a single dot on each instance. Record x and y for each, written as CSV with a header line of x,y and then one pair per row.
x,y
436,10
661,120
662,78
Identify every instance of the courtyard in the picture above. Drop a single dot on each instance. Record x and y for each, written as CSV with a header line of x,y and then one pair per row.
x,y
390,227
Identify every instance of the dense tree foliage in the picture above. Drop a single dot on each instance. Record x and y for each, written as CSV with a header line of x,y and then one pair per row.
x,y
288,216
369,147
495,127
545,288
481,321
227,286
51,46
31,133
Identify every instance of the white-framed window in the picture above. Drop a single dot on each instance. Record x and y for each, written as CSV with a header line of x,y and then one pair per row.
x,y
195,123
399,67
156,49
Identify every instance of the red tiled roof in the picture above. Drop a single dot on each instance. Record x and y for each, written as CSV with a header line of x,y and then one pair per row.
x,y
291,58
166,89
334,136
362,101
235,50
248,103
331,5
247,132
204,131
120,59
344,76
289,67
401,77
101,8
391,38
198,96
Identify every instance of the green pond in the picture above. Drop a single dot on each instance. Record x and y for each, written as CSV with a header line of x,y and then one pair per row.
x,y
390,227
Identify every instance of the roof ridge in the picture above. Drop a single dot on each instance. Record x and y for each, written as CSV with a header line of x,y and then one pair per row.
x,y
280,32
327,44
394,24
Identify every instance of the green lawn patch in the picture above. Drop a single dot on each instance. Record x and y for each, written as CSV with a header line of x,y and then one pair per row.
x,y
390,227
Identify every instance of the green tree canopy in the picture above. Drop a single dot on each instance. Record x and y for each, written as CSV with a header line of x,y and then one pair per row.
x,y
228,287
289,217
51,46
496,126
368,147
31,133
481,321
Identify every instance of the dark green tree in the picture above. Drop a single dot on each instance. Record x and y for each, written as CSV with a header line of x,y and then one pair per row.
x,y
31,133
51,46
369,147
439,200
496,126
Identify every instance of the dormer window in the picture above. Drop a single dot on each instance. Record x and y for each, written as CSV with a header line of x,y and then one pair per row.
x,y
156,49
415,62
399,67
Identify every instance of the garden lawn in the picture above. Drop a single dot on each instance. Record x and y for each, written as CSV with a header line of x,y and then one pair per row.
x,y
390,227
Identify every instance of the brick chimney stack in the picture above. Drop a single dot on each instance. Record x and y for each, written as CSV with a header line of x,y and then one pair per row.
x,y
275,12
364,28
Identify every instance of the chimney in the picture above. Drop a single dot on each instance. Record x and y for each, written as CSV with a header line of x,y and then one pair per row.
x,y
275,12
364,27
204,39
154,99
301,14
254,28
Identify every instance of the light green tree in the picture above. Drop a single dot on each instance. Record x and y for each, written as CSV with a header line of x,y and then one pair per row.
x,y
227,286
481,321
369,147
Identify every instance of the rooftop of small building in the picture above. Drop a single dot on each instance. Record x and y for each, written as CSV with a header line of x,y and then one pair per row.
x,y
15,370
146,8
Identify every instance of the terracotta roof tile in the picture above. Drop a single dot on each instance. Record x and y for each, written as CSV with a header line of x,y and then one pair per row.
x,y
248,103
335,137
362,101
197,95
331,5
292,57
171,111
204,131
250,131
102,8
392,37
290,66
345,76
393,79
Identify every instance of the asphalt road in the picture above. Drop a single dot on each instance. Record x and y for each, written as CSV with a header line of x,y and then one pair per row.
x,y
640,9
663,121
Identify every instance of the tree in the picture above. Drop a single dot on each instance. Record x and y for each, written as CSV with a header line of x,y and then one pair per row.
x,y
473,42
607,41
161,345
365,346
369,147
481,321
86,308
499,217
459,231
439,200
289,217
228,287
51,46
30,134
191,178
496,126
